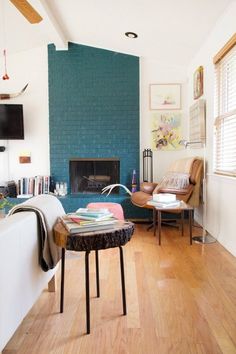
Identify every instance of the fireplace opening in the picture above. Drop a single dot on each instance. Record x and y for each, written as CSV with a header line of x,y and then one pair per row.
x,y
91,175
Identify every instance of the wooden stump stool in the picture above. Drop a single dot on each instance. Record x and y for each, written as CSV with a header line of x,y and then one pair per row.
x,y
117,236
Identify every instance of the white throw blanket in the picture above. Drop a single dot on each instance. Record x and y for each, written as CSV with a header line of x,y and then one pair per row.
x,y
47,209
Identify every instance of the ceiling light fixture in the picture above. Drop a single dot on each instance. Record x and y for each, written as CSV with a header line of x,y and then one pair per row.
x,y
131,35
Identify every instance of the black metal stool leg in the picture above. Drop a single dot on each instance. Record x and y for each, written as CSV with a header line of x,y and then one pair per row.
x,y
190,226
159,227
182,222
87,291
122,279
97,273
62,278
154,220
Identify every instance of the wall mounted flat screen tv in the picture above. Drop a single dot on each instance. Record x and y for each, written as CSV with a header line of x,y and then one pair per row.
x,y
11,121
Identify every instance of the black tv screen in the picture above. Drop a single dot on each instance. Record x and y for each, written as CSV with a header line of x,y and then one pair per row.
x,y
11,121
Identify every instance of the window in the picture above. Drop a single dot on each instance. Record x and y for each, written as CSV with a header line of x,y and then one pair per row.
x,y
225,110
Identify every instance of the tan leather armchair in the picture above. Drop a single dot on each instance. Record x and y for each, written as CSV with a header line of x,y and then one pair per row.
x,y
189,169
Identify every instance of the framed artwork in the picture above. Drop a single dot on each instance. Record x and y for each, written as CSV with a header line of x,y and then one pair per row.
x,y
198,83
197,122
166,130
165,96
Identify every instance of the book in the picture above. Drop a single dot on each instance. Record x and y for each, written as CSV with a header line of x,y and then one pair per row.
x,y
76,230
93,211
76,227
93,214
72,217
80,221
164,197
94,218
164,205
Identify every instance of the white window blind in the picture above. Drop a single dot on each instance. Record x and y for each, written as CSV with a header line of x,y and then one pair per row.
x,y
225,113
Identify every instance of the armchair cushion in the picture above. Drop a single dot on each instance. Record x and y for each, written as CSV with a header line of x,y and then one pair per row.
x,y
181,191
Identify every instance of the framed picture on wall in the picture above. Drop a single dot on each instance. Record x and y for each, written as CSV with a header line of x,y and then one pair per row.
x,y
165,96
197,122
198,83
166,130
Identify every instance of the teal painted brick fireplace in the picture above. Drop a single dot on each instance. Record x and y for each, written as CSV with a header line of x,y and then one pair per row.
x,y
93,113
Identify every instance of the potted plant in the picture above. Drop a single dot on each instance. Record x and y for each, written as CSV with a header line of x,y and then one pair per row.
x,y
4,204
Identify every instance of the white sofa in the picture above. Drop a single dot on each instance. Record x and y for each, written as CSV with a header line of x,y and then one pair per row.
x,y
21,278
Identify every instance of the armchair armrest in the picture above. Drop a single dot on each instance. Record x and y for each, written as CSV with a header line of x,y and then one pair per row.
x,y
147,187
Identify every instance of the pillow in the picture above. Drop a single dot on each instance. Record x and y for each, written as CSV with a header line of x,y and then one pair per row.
x,y
173,180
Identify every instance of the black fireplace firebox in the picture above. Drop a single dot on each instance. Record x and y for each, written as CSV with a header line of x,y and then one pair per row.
x,y
89,175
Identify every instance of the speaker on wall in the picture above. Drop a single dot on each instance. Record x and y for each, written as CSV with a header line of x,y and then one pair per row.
x,y
11,186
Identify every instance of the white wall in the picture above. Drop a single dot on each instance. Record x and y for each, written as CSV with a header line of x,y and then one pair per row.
x,y
27,67
153,72
221,191
31,66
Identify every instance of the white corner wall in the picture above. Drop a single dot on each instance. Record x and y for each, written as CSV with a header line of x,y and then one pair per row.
x,y
154,72
221,191
27,67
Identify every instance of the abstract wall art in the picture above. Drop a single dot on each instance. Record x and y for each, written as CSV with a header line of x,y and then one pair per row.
x,y
166,130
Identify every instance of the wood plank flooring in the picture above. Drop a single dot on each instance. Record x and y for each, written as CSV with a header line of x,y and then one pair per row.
x,y
181,299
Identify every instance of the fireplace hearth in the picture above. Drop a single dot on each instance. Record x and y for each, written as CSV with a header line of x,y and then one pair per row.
x,y
91,175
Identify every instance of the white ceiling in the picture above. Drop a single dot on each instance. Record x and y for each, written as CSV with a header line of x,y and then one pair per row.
x,y
169,31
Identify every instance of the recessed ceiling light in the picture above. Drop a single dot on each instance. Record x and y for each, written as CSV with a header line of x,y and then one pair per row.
x,y
131,34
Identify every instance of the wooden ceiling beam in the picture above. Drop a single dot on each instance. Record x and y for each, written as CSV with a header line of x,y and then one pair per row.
x,y
27,11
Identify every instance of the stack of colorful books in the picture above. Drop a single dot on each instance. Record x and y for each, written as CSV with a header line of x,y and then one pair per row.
x,y
88,220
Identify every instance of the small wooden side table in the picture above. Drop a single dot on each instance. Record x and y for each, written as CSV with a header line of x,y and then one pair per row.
x,y
86,242
181,208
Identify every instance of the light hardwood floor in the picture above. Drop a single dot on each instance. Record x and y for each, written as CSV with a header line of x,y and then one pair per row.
x,y
181,299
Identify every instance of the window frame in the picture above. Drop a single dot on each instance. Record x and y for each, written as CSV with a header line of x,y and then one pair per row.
x,y
225,118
